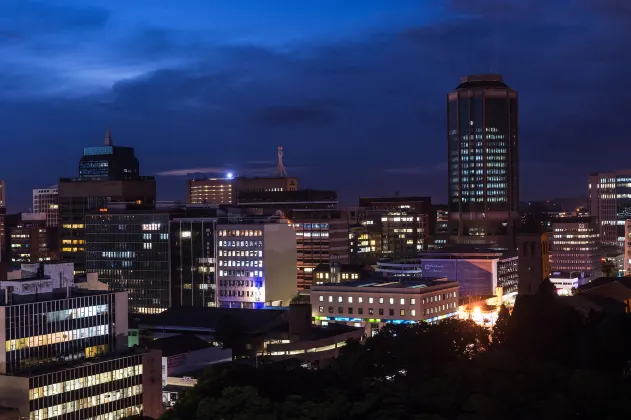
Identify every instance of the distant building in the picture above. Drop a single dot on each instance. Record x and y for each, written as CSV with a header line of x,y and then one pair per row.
x,y
339,273
478,271
627,247
29,240
3,212
483,149
46,200
372,304
567,282
226,190
610,204
322,231
108,173
574,246
399,224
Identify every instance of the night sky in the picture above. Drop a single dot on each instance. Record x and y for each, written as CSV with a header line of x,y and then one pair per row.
x,y
353,89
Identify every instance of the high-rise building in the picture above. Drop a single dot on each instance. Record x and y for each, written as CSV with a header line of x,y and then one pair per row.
x,y
130,251
610,204
225,190
483,168
106,175
46,200
71,359
574,246
29,240
322,231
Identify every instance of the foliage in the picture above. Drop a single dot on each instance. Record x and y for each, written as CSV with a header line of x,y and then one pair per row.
x,y
545,361
608,268
500,329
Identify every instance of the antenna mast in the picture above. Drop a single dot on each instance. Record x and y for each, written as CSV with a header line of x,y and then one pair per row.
x,y
280,168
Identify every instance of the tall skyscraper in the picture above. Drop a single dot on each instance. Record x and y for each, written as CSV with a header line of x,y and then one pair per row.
x,y
482,144
107,175
3,202
46,200
610,204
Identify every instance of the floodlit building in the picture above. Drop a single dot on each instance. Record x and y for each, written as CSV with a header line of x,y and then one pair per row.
x,y
256,265
372,304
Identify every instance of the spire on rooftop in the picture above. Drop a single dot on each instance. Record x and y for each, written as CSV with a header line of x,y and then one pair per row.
x,y
108,137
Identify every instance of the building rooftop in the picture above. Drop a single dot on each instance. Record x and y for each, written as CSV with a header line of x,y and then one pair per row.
x,y
402,284
603,281
482,80
179,344
205,318
56,294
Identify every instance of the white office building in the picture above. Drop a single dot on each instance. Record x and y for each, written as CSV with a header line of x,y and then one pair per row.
x,y
46,200
256,265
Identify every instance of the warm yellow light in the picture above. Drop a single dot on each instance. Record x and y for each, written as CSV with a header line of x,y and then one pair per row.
x,y
477,310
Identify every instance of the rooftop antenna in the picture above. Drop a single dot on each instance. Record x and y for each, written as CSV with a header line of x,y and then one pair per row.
x,y
280,168
108,137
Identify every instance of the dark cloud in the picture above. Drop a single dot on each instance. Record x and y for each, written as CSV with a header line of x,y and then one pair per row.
x,y
26,19
278,116
378,102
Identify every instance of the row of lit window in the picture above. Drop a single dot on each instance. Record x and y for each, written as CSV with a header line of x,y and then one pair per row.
x,y
73,249
223,253
72,406
240,283
73,226
245,244
240,273
312,225
239,232
402,301
72,241
77,313
381,311
239,263
84,382
59,337
240,293
313,234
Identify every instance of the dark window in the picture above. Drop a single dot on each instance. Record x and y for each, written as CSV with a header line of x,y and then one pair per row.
x,y
360,311
391,312
380,311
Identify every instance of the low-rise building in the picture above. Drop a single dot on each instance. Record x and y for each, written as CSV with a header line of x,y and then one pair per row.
x,y
372,304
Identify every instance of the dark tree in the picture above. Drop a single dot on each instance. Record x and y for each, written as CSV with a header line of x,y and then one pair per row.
x,y
500,329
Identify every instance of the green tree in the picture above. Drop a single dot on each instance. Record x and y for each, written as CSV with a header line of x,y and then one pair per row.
x,y
500,329
236,403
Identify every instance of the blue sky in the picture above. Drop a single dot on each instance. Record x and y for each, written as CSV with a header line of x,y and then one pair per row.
x,y
354,89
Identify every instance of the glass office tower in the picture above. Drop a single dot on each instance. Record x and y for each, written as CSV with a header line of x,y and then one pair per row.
x,y
482,134
130,251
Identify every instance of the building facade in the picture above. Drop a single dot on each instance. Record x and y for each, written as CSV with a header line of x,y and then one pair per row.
x,y
574,246
225,190
400,225
130,251
322,231
46,200
64,355
372,304
193,256
30,240
483,168
610,205
256,265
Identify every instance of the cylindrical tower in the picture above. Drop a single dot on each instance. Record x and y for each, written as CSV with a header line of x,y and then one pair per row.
x,y
482,144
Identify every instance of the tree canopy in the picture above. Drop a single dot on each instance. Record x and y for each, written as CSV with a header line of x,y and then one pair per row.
x,y
544,361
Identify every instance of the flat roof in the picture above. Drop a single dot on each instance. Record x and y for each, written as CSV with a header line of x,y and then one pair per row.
x,y
400,283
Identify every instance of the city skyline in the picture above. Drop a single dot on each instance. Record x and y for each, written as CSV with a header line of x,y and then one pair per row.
x,y
354,92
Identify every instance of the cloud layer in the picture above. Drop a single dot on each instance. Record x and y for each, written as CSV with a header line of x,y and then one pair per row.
x,y
357,107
